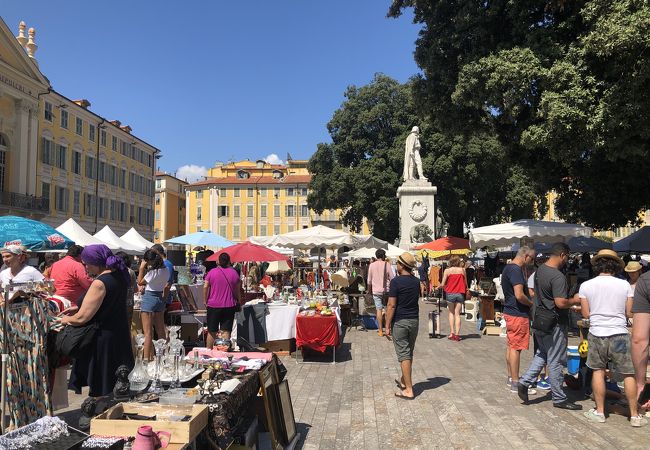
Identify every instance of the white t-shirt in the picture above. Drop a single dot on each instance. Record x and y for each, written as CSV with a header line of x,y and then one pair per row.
x,y
156,279
607,297
531,281
27,273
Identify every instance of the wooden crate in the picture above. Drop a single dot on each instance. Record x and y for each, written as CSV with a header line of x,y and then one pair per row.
x,y
108,424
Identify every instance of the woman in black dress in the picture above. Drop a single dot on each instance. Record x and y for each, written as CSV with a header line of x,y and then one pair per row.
x,y
104,303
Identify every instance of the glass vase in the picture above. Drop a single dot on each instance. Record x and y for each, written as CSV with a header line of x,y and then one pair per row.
x,y
139,377
156,384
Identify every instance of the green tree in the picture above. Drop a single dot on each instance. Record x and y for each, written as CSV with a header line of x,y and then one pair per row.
x,y
562,86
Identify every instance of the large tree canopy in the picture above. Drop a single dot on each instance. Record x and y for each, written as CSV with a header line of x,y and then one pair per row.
x,y
560,87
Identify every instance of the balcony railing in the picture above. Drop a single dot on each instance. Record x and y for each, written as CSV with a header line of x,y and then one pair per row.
x,y
25,202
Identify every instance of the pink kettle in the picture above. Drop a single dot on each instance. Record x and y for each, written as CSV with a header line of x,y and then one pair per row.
x,y
147,439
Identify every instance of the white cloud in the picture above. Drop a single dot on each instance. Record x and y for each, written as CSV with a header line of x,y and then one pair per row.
x,y
273,159
191,172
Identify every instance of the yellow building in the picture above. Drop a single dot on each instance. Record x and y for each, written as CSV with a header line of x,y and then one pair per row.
x,y
59,160
169,207
242,199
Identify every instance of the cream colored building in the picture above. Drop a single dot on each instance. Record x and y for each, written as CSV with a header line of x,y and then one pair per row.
x,y
169,220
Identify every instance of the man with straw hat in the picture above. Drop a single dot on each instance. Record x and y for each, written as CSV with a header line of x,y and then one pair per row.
x,y
633,271
607,302
402,320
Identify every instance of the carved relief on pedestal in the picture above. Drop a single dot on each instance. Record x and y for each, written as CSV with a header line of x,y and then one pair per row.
x,y
418,211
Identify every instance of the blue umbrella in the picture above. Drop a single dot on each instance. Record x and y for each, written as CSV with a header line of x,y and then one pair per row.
x,y
34,235
202,238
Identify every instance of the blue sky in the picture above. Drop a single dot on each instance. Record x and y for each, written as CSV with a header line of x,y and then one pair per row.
x,y
209,81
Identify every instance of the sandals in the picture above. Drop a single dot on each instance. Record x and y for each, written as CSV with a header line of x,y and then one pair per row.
x,y
402,396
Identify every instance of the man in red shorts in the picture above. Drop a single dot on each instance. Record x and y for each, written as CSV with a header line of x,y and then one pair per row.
x,y
516,311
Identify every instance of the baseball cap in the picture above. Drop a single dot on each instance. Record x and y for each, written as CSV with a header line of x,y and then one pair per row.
x,y
15,249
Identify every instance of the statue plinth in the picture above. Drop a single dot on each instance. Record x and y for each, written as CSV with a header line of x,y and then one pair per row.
x,y
416,207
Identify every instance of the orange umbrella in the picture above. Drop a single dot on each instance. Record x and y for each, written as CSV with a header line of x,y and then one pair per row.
x,y
445,246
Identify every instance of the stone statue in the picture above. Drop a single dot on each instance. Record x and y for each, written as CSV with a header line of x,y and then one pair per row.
x,y
412,161
122,385
421,234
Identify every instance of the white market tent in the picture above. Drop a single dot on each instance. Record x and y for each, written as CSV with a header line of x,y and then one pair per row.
x,y
75,232
369,241
367,252
307,238
505,234
108,237
134,238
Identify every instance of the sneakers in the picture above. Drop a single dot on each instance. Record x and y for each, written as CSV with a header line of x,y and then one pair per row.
x,y
509,382
543,384
595,416
638,421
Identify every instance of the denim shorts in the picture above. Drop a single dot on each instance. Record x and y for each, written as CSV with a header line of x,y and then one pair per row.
x,y
615,349
455,298
379,300
152,302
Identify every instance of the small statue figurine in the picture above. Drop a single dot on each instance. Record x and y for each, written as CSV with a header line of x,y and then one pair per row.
x,y
122,385
88,408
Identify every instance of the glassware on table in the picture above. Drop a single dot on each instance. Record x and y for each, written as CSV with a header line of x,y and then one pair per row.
x,y
177,352
156,384
172,332
139,377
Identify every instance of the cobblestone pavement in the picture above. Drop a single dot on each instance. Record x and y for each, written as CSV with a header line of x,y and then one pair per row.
x,y
461,400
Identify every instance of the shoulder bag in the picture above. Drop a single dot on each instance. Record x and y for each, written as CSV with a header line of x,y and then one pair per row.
x,y
544,319
384,296
237,304
76,341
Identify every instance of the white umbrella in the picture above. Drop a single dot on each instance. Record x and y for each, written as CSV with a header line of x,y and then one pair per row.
x,y
75,232
306,238
276,267
540,231
134,238
108,237
367,253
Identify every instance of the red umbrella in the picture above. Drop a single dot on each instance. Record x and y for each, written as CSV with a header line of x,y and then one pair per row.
x,y
445,243
247,251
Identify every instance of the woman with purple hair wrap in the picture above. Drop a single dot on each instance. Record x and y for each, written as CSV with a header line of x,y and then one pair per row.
x,y
104,303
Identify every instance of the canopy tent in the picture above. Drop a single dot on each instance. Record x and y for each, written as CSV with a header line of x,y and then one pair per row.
x,y
639,241
204,238
247,251
35,235
276,267
112,241
445,246
76,232
540,231
306,238
369,241
578,244
368,252
134,238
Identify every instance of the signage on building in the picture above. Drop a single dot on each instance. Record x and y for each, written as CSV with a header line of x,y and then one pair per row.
x,y
15,85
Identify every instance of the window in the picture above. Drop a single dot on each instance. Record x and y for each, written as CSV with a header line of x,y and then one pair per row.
x,y
276,229
262,210
277,174
91,169
262,230
61,157
45,190
304,210
47,152
289,192
199,195
132,215
263,192
223,230
290,210
291,227
222,192
91,132
102,138
223,212
250,211
75,202
102,208
157,215
90,205
276,192
125,150
250,192
249,231
122,211
64,118
112,175
76,162
113,143
276,210
199,215
134,152
303,192
123,178
79,128
236,192
102,171
48,111
242,174
157,199
235,231
158,184
235,211
113,210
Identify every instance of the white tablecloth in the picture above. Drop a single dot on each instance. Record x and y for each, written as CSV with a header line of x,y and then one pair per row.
x,y
281,322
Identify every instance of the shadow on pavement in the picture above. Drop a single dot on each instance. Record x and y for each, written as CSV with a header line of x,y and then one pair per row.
x,y
431,383
303,429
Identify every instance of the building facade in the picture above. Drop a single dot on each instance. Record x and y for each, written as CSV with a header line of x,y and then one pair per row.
x,y
242,199
169,207
59,160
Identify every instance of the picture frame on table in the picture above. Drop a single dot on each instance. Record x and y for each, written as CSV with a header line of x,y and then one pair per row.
x,y
186,298
288,419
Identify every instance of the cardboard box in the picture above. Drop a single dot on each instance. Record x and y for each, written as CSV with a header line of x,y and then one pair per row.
x,y
109,423
492,330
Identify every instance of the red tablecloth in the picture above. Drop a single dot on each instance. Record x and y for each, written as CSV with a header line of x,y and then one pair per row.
x,y
317,332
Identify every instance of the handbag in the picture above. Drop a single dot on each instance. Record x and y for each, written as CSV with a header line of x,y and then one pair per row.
x,y
76,341
544,319
384,295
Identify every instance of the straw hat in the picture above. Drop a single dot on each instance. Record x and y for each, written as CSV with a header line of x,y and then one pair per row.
x,y
407,260
633,266
607,253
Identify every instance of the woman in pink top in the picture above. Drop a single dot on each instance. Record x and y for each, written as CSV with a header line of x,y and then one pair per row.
x,y
222,293
455,285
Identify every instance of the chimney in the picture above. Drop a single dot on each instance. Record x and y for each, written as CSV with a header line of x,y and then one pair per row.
x,y
126,128
85,104
22,40
117,123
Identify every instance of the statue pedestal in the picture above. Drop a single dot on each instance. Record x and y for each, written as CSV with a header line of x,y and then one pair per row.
x,y
416,207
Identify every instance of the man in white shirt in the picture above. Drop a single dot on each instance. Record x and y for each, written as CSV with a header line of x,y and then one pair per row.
x,y
607,302
17,271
